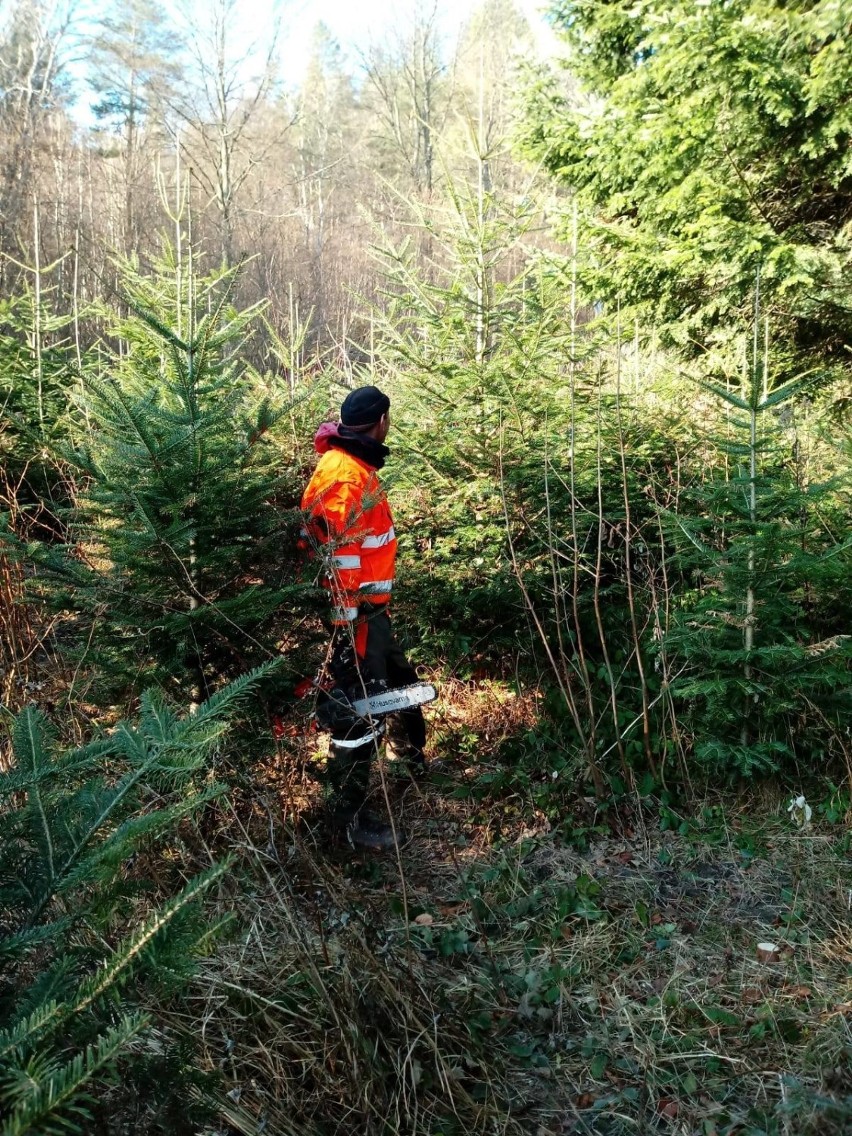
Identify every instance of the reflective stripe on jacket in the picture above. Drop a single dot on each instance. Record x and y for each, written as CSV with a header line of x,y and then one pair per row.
x,y
347,516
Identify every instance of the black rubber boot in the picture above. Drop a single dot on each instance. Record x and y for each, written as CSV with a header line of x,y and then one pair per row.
x,y
416,762
419,767
365,831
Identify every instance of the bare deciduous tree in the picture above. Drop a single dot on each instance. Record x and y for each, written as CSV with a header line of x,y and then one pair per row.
x,y
410,87
225,100
33,43
135,67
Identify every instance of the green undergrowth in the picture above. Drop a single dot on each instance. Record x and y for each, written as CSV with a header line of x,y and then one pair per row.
x,y
533,961
517,768
510,982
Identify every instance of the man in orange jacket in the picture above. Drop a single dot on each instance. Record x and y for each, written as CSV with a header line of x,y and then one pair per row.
x,y
348,520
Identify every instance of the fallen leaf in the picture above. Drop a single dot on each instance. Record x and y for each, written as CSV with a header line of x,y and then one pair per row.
x,y
452,908
799,991
669,1108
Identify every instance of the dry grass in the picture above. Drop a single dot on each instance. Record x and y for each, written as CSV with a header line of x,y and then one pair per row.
x,y
523,986
17,640
497,977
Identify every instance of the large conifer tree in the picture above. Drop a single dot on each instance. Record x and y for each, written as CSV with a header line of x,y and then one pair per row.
x,y
706,140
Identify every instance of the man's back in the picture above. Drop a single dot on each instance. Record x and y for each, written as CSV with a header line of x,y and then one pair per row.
x,y
347,513
349,522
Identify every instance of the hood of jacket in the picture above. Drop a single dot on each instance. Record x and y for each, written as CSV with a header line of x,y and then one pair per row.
x,y
332,435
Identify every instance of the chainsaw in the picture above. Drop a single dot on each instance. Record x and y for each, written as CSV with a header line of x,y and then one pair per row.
x,y
333,706
375,704
392,701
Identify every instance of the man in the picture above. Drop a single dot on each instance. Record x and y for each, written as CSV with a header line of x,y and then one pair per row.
x,y
349,521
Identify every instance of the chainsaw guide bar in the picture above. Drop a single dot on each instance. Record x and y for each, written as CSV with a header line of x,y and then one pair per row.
x,y
391,701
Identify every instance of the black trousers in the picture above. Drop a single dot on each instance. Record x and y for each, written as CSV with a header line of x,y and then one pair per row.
x,y
354,740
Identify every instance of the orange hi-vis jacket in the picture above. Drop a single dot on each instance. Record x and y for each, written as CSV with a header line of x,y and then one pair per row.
x,y
348,519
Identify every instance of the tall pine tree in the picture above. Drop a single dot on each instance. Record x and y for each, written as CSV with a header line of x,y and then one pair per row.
x,y
703,140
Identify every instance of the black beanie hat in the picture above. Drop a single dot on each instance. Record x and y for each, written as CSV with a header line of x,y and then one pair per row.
x,y
364,407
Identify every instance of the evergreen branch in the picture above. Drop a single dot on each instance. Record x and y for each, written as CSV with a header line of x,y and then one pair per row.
x,y
735,449
782,394
131,832
90,990
699,544
14,945
114,399
31,1026
48,1099
177,531
225,698
17,780
266,417
155,716
199,731
234,326
155,324
180,361
114,799
836,549
34,435
47,1019
724,394
27,737
202,340
131,744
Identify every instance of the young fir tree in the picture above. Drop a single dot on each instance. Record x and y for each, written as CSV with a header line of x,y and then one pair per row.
x,y
76,831
516,505
465,342
177,553
36,371
762,631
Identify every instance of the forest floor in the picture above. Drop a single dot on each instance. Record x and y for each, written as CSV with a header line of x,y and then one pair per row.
x,y
498,976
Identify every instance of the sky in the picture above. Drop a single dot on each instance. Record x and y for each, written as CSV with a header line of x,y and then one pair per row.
x,y
355,23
